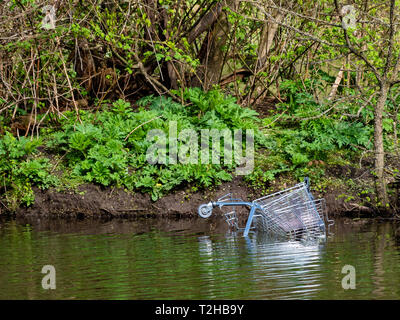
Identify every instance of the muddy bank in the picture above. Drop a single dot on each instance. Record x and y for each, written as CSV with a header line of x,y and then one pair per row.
x,y
91,200
94,201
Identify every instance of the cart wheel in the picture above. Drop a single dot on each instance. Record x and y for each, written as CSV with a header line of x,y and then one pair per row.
x,y
205,210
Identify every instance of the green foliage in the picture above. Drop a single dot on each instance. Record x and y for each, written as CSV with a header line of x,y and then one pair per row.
x,y
20,170
97,150
219,111
98,52
302,142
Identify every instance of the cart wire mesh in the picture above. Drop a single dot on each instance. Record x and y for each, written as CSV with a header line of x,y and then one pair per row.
x,y
290,213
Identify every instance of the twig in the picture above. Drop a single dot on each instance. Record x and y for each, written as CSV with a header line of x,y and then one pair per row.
x,y
141,125
69,84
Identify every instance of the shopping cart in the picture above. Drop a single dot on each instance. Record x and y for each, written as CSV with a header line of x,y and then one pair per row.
x,y
291,213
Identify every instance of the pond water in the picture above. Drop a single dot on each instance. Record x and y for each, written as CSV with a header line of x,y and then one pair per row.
x,y
193,259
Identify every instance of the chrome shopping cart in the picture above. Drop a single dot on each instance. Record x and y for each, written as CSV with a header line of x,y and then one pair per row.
x,y
291,213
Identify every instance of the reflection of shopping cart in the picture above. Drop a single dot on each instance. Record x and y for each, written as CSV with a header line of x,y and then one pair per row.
x,y
290,213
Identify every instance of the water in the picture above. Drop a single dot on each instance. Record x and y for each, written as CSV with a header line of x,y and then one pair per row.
x,y
193,259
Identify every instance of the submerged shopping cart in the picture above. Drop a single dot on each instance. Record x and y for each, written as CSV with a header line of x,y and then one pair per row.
x,y
292,213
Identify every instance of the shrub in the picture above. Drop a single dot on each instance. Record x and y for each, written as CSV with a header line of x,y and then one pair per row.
x,y
20,170
97,150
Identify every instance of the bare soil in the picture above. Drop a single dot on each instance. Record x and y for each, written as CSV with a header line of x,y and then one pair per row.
x,y
95,201
92,200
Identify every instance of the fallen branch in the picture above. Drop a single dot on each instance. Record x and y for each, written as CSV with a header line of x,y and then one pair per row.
x,y
154,82
360,208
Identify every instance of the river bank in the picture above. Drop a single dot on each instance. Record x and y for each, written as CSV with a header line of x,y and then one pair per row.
x,y
101,167
344,198
107,113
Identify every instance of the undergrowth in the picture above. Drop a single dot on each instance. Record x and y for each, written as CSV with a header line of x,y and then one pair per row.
x,y
108,147
20,168
301,140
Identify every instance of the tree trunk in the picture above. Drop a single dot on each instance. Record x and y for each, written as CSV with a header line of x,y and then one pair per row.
x,y
212,52
266,39
335,86
378,145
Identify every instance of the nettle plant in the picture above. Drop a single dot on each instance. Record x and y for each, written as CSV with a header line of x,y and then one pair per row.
x,y
303,136
109,147
21,168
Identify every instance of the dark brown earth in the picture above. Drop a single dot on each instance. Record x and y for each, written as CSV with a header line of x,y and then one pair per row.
x,y
95,201
91,200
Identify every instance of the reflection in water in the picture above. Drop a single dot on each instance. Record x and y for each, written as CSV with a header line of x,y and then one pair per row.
x,y
186,259
292,267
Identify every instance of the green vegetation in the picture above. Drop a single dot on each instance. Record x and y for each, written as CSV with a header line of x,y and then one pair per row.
x,y
20,168
98,151
298,136
104,149
89,90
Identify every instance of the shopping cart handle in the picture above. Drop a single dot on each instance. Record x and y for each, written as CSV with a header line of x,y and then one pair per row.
x,y
307,182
